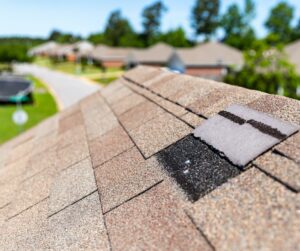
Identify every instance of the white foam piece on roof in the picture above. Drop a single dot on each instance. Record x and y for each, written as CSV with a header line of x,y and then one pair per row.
x,y
240,143
247,114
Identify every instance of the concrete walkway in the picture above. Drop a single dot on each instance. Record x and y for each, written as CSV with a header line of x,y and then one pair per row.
x,y
67,89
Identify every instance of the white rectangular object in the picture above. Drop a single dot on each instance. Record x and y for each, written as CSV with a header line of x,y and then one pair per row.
x,y
242,134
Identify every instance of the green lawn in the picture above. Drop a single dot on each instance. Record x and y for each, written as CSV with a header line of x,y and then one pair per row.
x,y
106,81
44,106
91,72
67,67
4,67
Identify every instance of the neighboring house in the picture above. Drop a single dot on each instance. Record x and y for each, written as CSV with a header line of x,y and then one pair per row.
x,y
124,169
83,49
293,52
109,57
64,52
157,55
71,52
209,60
43,49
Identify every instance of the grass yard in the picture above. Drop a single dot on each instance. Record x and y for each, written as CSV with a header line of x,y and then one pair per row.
x,y
67,67
4,67
106,81
44,106
91,72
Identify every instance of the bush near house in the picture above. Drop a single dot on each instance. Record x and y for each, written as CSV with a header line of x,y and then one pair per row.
x,y
266,69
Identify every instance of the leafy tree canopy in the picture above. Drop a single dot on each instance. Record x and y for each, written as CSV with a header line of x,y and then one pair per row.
x,y
236,25
151,20
176,38
61,37
205,17
117,28
279,21
266,69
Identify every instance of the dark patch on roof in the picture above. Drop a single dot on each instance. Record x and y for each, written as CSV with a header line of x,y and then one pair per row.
x,y
232,117
196,167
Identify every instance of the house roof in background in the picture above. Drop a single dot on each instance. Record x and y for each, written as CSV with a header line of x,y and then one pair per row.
x,y
210,54
43,48
293,52
83,48
104,52
121,170
158,53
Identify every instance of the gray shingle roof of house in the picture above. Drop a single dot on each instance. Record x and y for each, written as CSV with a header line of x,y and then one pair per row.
x,y
43,48
158,53
210,54
103,52
121,170
293,52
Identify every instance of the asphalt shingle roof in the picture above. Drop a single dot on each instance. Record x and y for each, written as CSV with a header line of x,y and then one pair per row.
x,y
293,52
159,53
121,170
210,54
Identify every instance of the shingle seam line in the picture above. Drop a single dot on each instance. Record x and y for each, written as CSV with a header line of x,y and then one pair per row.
x,y
166,110
5,205
200,231
105,162
74,202
159,95
127,132
278,152
287,186
99,196
11,217
133,197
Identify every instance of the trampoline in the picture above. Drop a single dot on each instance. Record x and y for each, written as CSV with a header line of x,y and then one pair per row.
x,y
15,89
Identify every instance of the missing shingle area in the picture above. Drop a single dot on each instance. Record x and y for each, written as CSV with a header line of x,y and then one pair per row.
x,y
196,167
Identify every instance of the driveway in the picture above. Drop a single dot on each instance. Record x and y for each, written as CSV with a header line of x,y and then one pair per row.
x,y
67,89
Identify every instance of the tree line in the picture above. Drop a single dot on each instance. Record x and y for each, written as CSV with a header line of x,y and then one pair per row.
x,y
266,67
206,22
205,19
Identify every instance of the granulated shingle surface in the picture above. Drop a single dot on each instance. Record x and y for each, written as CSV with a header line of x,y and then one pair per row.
x,y
282,168
31,192
72,185
79,227
109,145
120,171
153,220
248,212
125,176
192,119
140,114
159,133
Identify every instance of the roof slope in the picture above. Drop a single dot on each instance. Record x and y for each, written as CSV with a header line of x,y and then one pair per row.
x,y
93,177
211,53
104,52
159,53
43,48
293,52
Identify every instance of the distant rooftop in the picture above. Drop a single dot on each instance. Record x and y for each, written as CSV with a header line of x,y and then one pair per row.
x,y
211,53
140,165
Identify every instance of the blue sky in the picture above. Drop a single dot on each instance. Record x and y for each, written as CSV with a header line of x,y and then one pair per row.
x,y
39,17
